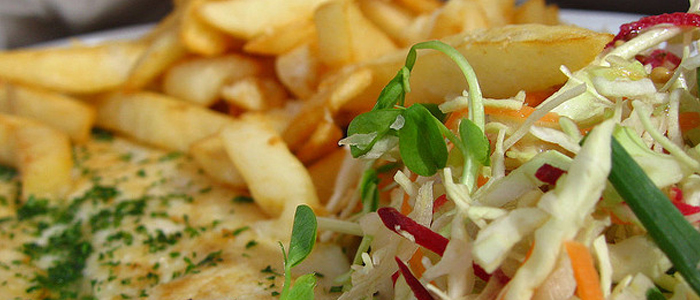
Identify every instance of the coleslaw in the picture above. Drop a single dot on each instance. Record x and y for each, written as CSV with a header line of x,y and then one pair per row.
x,y
591,191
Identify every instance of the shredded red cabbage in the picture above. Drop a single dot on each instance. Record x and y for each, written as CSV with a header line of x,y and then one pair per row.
x,y
549,174
422,235
630,30
418,289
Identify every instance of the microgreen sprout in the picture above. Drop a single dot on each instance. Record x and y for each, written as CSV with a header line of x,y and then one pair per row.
x,y
419,128
301,244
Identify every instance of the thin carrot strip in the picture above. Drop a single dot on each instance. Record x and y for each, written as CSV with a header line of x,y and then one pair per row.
x,y
587,280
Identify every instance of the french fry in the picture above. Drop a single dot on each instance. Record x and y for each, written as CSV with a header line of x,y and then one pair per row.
x,y
498,12
247,19
323,140
200,37
299,70
390,17
64,113
254,93
211,155
332,95
506,60
163,51
421,6
42,155
157,119
324,172
458,16
536,11
76,69
283,39
345,36
275,177
199,80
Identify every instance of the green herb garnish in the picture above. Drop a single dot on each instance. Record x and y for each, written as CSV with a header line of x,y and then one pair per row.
x,y
671,232
418,129
301,244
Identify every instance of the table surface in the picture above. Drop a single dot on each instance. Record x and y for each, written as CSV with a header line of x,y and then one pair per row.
x,y
647,7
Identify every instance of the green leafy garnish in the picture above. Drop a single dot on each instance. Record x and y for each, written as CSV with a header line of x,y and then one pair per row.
x,y
671,232
300,246
421,144
419,128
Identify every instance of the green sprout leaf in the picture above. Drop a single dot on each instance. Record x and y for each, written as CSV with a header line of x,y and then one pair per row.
x,y
303,288
421,143
303,235
477,144
376,124
301,244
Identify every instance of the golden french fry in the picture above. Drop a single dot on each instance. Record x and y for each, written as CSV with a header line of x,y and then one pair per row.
x,y
421,6
64,113
211,155
536,11
390,17
200,37
529,54
42,155
345,36
458,16
498,12
163,51
282,39
157,119
76,69
254,93
299,70
249,18
322,141
324,172
199,80
332,95
275,177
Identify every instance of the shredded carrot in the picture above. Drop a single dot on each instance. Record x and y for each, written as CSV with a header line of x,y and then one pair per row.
x,y
481,180
534,98
416,263
529,252
525,111
587,280
405,206
688,120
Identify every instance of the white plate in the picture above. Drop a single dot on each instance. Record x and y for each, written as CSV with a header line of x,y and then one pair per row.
x,y
595,20
603,21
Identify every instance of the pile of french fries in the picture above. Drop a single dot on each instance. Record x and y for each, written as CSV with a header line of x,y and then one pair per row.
x,y
259,92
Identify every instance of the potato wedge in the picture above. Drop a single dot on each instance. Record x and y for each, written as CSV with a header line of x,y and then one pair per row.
x,y
76,69
275,177
199,80
158,120
346,36
247,19
506,60
42,155
64,113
